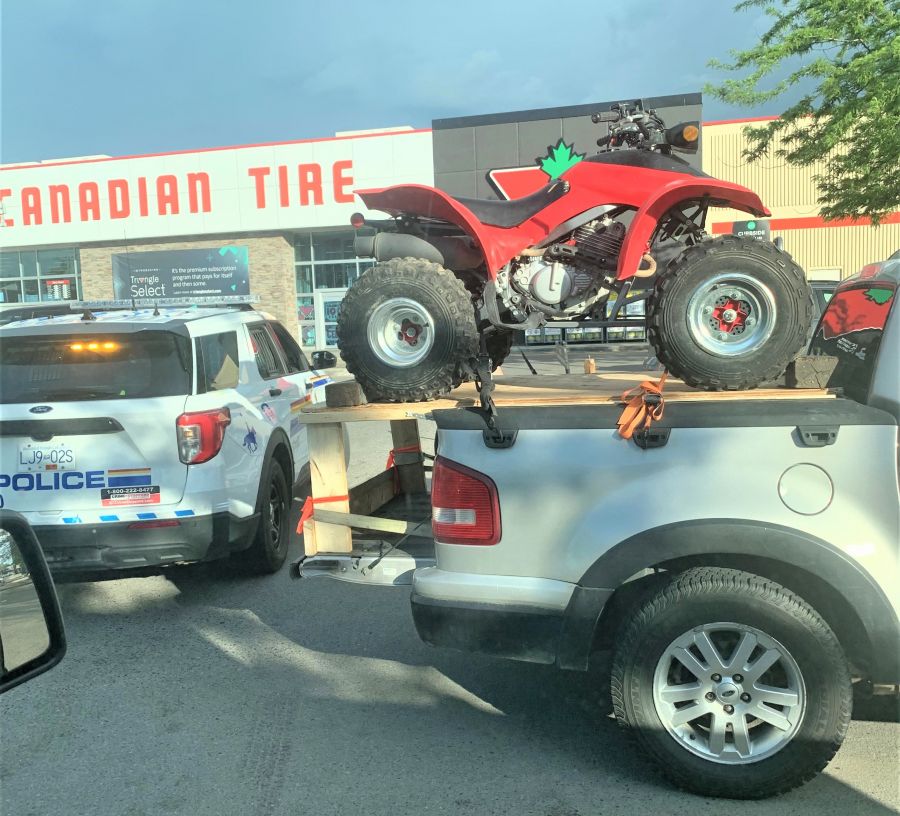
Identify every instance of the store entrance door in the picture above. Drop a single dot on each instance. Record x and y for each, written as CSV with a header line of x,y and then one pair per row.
x,y
327,306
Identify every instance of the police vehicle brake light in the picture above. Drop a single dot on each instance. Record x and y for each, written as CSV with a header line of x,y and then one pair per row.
x,y
200,434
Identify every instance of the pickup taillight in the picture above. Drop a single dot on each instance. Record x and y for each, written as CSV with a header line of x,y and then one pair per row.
x,y
200,434
465,508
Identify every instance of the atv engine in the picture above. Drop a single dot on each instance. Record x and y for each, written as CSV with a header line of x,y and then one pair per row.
x,y
568,276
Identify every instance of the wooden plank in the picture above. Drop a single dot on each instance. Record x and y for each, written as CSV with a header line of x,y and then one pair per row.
x,y
574,389
405,434
328,477
382,525
373,494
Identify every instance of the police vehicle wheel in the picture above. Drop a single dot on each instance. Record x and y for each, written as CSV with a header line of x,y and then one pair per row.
x,y
269,549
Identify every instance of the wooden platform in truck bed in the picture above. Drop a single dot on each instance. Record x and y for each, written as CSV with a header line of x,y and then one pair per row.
x,y
562,389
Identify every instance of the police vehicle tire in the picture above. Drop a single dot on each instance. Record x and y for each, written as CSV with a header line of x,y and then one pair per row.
x,y
730,313
725,651
267,553
406,331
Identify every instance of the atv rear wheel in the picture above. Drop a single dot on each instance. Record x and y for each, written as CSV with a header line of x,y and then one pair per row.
x,y
730,313
407,331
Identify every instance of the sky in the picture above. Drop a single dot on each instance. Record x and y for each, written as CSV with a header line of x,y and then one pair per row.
x,y
124,77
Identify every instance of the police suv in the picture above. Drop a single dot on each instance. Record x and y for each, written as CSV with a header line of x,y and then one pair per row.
x,y
143,436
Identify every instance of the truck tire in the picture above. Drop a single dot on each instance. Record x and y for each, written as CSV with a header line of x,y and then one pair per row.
x,y
267,553
730,313
733,686
407,331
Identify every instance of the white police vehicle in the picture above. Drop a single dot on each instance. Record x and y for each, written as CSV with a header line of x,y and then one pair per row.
x,y
134,437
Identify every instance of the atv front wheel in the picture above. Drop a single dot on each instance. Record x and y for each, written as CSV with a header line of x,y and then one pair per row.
x,y
730,313
407,331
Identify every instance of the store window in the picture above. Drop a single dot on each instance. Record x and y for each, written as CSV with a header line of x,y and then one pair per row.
x,y
323,260
35,276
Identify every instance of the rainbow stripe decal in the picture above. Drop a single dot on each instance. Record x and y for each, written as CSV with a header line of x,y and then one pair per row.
x,y
129,477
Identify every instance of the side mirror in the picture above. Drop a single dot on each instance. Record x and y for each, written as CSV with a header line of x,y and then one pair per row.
x,y
32,638
323,359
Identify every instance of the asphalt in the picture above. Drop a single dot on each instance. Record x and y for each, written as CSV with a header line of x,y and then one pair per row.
x,y
199,691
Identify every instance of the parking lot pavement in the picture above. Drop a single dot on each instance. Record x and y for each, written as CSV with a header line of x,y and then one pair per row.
x,y
197,691
201,692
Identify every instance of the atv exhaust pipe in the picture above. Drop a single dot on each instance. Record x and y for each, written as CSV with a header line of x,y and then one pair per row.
x,y
650,271
451,253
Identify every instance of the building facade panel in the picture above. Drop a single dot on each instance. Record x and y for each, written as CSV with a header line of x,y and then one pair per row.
x,y
791,194
290,203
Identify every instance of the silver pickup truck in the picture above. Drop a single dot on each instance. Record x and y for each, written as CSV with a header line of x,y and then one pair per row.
x,y
741,566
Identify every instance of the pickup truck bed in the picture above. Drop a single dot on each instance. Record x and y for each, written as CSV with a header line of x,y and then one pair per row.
x,y
740,558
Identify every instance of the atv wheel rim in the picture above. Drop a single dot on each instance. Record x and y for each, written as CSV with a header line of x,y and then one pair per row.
x,y
729,693
401,332
731,314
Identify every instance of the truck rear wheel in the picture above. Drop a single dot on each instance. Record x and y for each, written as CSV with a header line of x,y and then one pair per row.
x,y
730,313
407,331
732,685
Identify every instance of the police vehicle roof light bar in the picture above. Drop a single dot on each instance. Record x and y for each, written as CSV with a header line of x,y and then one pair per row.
x,y
134,303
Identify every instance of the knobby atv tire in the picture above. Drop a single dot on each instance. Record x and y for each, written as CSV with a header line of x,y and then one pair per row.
x,y
444,297
265,555
669,326
711,595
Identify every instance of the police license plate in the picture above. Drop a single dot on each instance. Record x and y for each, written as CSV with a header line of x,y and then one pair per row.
x,y
34,458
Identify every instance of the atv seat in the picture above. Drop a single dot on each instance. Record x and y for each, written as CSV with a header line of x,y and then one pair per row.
x,y
514,212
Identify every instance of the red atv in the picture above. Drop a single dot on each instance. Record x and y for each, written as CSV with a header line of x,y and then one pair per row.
x,y
457,276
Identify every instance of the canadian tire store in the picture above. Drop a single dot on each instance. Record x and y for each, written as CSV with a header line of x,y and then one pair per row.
x,y
272,220
269,220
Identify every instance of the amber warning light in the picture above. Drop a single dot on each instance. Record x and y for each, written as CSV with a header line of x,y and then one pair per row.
x,y
94,346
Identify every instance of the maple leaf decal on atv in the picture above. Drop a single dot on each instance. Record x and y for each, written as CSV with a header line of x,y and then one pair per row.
x,y
559,159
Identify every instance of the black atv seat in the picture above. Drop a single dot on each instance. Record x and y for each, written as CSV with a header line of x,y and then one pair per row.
x,y
514,212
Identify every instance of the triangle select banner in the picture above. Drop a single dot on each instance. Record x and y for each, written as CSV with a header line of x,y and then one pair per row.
x,y
183,273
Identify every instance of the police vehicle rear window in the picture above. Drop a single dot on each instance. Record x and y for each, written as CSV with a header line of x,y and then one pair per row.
x,y
73,367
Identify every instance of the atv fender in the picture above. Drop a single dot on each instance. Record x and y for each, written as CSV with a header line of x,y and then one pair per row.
x,y
499,245
649,214
496,245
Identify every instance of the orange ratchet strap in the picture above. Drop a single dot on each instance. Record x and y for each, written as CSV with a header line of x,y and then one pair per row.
x,y
309,507
394,451
643,405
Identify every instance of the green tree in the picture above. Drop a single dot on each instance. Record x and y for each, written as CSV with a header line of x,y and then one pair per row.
x,y
845,57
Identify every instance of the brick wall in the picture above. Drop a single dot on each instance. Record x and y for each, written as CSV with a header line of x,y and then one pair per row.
x,y
271,259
